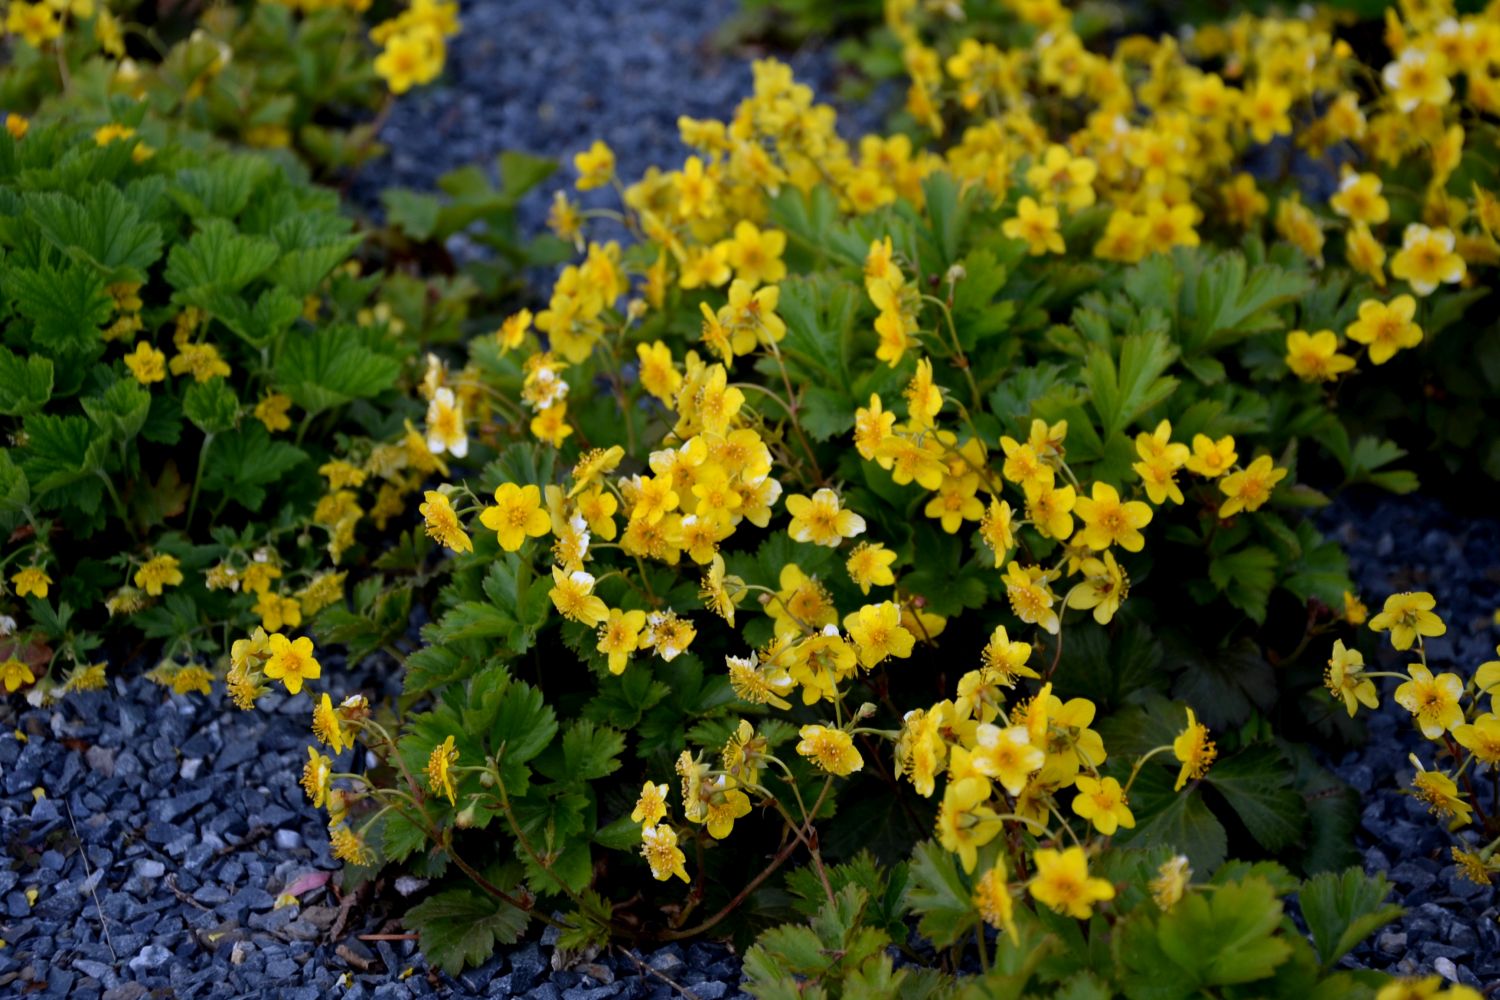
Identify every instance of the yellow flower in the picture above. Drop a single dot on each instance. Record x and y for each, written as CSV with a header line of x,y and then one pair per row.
x,y
146,363
595,166
872,427
445,424
1211,458
1249,488
1193,750
158,572
659,848
1345,678
1006,755
292,662
1358,198
1030,596
36,23
327,727
1418,77
1171,882
272,411
1103,588
442,523
1062,882
1407,616
1440,793
1355,611
516,516
440,770
1264,110
1107,521
32,580
869,565
1386,327
651,807
992,900
316,777
877,633
755,254
410,58
1434,701
1427,259
573,596
1243,201
1103,803
201,361
964,823
1315,357
1061,178
277,612
832,750
820,519
620,636
1481,738
17,126
1049,508
1037,226
348,845
14,673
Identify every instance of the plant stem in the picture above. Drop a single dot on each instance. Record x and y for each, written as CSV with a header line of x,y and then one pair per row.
x,y
208,439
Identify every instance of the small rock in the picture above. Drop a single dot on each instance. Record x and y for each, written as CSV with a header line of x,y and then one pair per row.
x,y
408,885
153,956
149,868
1445,968
239,952
101,759
288,840
190,768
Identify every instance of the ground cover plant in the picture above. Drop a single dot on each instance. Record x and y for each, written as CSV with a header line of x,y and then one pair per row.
x,y
908,532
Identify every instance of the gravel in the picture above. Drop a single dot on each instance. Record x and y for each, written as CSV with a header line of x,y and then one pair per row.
x,y
548,78
1409,543
155,879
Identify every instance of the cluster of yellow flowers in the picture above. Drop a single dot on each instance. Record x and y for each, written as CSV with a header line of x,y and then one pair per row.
x,y
40,23
1447,709
414,43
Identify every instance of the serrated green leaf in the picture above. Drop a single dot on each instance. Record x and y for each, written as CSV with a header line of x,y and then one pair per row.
x,y
1227,936
211,406
223,188
1342,910
331,368
246,461
121,411
939,894
105,231
27,381
461,927
218,259
1256,782
1245,577
65,305
15,491
1178,820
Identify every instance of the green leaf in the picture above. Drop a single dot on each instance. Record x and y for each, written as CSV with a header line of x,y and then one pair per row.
x,y
472,620
58,454
1224,301
310,251
591,751
1256,782
121,411
15,491
212,406
272,314
1342,910
246,461
27,381
1122,392
106,232
1227,936
413,213
521,172
1179,820
224,187
218,259
939,895
461,927
1245,577
66,306
331,368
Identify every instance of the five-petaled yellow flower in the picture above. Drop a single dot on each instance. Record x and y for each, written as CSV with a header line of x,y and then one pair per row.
x,y
820,519
1062,882
1407,616
33,581
832,750
516,516
292,662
